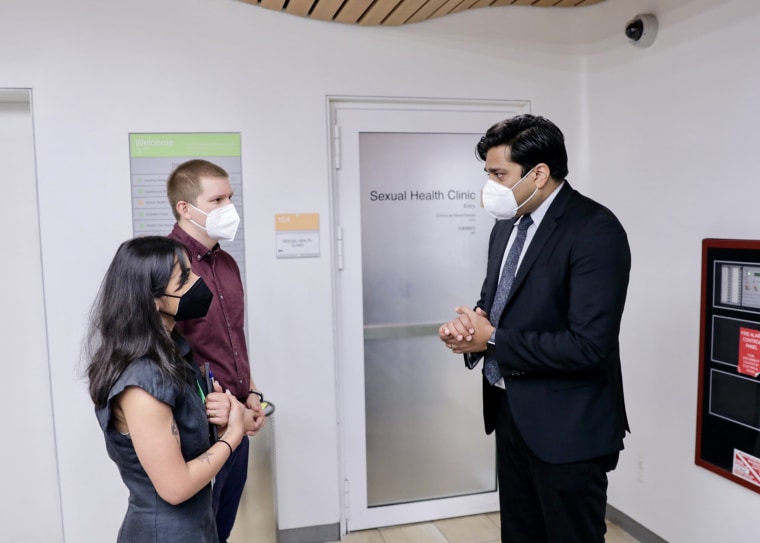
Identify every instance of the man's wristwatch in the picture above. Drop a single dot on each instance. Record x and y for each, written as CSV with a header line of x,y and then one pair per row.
x,y
259,394
267,406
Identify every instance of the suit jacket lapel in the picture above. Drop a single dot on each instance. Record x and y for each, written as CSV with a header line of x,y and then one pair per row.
x,y
543,234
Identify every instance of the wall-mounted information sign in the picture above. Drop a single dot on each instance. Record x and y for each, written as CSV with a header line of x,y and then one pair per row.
x,y
296,235
153,156
728,416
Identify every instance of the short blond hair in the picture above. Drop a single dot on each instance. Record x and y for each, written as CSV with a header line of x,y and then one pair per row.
x,y
184,183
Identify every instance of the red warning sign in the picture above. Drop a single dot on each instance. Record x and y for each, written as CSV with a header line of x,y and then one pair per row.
x,y
746,467
749,351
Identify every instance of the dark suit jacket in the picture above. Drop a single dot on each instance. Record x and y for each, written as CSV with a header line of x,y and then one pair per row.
x,y
560,327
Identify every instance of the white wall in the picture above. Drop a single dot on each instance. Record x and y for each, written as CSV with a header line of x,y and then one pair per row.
x,y
27,453
102,69
673,140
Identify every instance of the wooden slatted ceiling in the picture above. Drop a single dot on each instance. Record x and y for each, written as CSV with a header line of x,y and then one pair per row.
x,y
396,12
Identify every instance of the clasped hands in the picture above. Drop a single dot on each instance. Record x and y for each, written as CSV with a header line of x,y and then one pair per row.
x,y
220,404
468,333
254,415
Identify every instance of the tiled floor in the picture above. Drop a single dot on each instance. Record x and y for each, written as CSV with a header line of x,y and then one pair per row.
x,y
474,529
256,519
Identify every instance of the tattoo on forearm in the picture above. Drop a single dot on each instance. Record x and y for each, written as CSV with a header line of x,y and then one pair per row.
x,y
205,457
175,431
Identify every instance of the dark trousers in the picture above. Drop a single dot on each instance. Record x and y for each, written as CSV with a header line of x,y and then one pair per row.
x,y
548,503
228,489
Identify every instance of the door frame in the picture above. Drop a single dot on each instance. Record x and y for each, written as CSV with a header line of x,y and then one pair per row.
x,y
417,512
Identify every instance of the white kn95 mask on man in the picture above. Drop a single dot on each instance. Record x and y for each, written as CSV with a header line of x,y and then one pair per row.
x,y
499,200
221,224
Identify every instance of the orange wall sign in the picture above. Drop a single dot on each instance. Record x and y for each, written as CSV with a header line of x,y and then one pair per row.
x,y
296,235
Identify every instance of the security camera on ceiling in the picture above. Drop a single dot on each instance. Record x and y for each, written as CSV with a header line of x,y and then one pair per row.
x,y
641,30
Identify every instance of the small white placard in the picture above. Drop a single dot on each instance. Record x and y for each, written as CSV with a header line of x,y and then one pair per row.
x,y
296,235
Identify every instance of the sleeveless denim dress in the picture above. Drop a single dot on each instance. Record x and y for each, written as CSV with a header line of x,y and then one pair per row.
x,y
150,519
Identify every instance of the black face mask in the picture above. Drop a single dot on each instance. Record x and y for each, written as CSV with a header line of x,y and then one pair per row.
x,y
194,303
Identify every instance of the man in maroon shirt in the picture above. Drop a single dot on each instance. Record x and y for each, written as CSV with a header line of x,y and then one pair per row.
x,y
200,195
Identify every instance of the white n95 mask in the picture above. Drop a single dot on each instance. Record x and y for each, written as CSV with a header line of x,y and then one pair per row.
x,y
221,224
499,200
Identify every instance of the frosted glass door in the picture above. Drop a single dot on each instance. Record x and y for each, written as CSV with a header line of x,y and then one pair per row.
x,y
424,239
411,241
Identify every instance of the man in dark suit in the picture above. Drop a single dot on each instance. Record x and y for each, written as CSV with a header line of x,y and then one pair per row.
x,y
548,334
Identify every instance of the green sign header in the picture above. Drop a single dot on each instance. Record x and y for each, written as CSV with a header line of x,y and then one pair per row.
x,y
184,145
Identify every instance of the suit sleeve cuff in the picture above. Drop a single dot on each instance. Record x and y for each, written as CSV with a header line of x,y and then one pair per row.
x,y
471,359
491,345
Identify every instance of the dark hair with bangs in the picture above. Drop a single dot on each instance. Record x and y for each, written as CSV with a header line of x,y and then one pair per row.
x,y
124,322
531,140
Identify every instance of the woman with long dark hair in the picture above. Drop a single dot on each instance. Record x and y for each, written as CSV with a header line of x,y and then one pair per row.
x,y
151,400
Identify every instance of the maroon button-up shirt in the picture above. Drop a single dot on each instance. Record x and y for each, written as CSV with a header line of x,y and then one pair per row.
x,y
219,337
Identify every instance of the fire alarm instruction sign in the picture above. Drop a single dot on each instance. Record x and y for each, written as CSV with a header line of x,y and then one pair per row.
x,y
749,352
747,467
